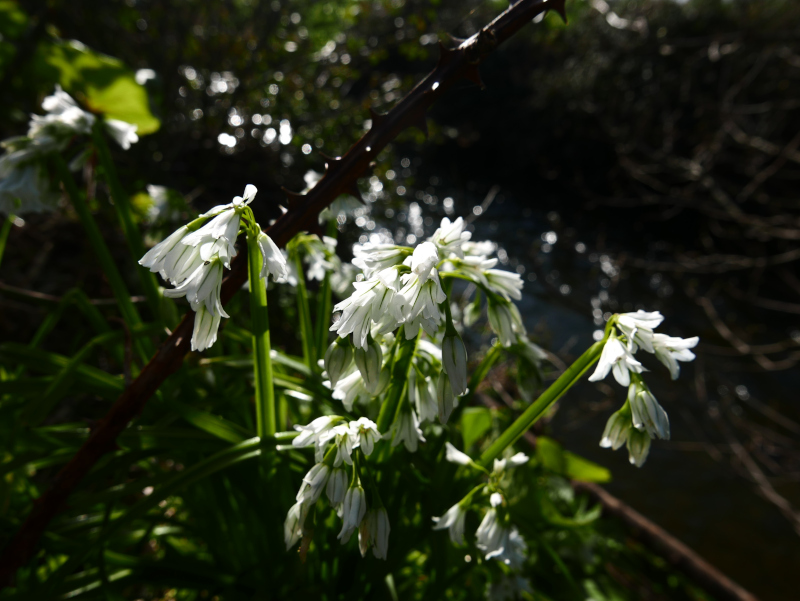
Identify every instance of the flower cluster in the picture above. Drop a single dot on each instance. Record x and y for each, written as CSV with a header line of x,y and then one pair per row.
x,y
334,441
641,418
24,185
496,537
193,259
401,287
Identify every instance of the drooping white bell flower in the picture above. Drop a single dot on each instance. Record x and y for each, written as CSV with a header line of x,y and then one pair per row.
x,y
372,258
354,507
337,486
374,532
351,388
340,435
166,254
206,326
405,429
370,302
453,455
123,133
422,395
453,520
638,328
647,414
671,349
513,461
445,400
338,358
450,237
514,551
202,287
506,283
492,535
617,357
313,484
293,525
273,260
312,434
478,249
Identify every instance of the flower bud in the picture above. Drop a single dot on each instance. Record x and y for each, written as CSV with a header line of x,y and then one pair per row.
x,y
617,429
337,359
444,397
454,362
313,484
337,486
354,507
647,413
638,446
368,361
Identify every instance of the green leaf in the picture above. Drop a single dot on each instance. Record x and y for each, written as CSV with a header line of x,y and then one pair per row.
x,y
102,82
564,463
475,422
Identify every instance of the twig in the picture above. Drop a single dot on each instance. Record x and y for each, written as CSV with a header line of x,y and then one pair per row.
x,y
340,177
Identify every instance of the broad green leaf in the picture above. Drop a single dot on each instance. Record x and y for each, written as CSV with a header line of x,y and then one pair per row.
x,y
475,422
559,461
102,82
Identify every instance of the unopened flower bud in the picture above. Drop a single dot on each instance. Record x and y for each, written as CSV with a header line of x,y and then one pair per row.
x,y
617,429
444,397
369,360
454,361
337,486
337,359
638,446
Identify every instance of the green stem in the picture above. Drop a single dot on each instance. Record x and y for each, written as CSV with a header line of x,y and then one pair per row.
x,y
4,231
324,304
543,403
400,367
103,255
125,215
306,331
262,362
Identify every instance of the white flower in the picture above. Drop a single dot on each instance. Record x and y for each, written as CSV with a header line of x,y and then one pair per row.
x,y
475,267
453,520
513,461
217,237
450,237
273,260
206,326
419,298
350,389
453,455
365,433
454,362
313,432
638,327
444,397
647,414
354,507
369,302
423,260
202,287
340,435
337,486
369,361
638,446
123,133
293,525
616,432
64,119
479,249
338,358
313,484
507,283
506,321
405,429
514,550
616,357
669,350
422,394
164,256
372,258
492,536
374,530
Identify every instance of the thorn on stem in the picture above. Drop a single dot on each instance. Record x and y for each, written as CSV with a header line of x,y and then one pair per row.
x,y
293,197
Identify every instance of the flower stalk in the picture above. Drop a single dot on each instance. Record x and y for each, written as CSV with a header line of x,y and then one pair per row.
x,y
538,408
262,362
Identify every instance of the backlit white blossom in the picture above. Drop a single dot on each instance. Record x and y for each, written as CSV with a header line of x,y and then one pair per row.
x,y
453,455
450,237
506,283
405,429
492,535
293,525
354,507
506,321
669,350
618,358
313,483
364,433
647,414
312,434
206,326
202,287
616,431
638,327
273,260
513,461
453,520
123,133
340,436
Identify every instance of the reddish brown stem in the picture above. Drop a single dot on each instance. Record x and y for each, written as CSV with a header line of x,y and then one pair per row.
x,y
340,177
